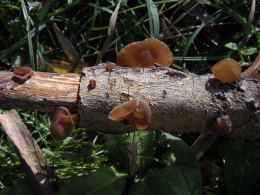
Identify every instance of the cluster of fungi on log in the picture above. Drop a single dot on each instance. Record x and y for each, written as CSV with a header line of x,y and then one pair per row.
x,y
150,51
227,70
140,54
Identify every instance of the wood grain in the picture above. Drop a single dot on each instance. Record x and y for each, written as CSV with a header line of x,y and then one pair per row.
x,y
43,91
36,166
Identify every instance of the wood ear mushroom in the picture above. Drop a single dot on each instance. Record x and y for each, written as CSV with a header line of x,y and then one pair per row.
x,y
223,125
227,70
136,111
62,123
144,54
110,66
92,84
22,74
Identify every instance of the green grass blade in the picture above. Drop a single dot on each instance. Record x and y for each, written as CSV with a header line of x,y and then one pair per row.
x,y
153,19
22,41
230,11
196,32
45,9
29,35
198,58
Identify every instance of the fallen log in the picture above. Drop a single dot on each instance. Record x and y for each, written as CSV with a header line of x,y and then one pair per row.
x,y
180,102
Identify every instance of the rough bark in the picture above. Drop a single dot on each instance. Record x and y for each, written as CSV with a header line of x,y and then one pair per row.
x,y
36,166
180,102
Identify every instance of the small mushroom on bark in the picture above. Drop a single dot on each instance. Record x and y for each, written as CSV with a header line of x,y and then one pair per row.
x,y
110,66
144,54
92,84
22,74
227,70
62,123
136,111
223,125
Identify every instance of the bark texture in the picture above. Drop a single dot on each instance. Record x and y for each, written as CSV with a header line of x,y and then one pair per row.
x,y
36,166
179,102
43,91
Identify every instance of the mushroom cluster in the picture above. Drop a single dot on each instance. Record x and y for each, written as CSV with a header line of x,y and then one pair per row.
x,y
144,54
140,54
227,70
62,123
136,111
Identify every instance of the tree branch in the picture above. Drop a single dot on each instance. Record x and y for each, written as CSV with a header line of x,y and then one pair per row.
x,y
43,91
180,102
41,176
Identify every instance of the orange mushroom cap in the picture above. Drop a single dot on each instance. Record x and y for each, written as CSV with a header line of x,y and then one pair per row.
x,y
227,70
22,74
136,111
62,123
144,54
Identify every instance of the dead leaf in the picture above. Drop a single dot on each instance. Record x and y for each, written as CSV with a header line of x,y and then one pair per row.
x,y
110,32
254,70
68,48
58,66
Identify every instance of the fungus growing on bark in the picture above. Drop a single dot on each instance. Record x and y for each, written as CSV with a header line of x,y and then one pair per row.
x,y
22,74
144,54
227,70
62,123
110,66
223,125
92,84
136,111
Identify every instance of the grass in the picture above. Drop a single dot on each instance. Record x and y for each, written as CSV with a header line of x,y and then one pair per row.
x,y
199,34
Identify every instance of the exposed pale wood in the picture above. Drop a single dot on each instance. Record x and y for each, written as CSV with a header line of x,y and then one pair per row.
x,y
36,165
179,102
43,91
